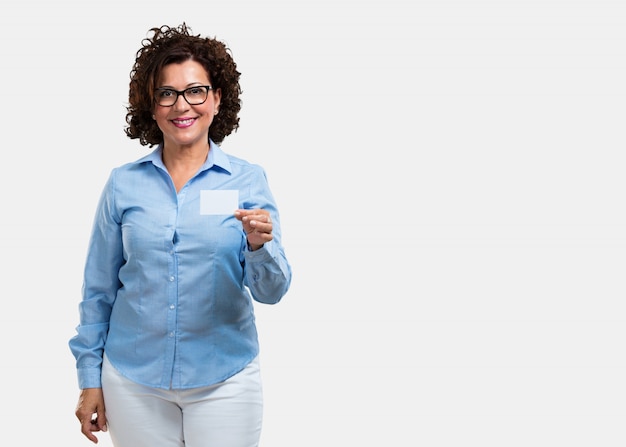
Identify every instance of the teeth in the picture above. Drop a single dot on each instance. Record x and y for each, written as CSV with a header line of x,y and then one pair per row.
x,y
183,121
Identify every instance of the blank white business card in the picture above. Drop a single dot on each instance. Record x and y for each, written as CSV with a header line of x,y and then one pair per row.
x,y
218,201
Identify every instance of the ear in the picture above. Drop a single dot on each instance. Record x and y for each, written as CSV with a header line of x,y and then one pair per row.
x,y
217,98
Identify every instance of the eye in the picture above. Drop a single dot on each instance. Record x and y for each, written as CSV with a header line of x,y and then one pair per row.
x,y
196,91
165,93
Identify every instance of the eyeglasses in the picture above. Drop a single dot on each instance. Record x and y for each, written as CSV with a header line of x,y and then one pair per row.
x,y
194,96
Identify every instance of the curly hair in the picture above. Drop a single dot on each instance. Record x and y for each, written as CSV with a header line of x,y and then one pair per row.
x,y
176,45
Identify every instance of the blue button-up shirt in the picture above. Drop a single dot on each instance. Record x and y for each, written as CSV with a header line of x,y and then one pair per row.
x,y
168,289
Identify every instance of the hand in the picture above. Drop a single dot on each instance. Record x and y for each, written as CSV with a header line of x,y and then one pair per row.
x,y
90,412
258,226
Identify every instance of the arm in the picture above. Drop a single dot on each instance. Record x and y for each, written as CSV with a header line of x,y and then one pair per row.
x,y
100,286
99,290
267,272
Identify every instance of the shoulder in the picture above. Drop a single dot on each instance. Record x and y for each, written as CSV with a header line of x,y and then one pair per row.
x,y
138,164
235,165
241,163
247,171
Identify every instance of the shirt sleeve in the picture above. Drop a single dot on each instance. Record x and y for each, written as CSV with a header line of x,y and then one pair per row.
x,y
100,286
267,272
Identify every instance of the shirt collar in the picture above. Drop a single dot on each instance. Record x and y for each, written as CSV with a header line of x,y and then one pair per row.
x,y
217,158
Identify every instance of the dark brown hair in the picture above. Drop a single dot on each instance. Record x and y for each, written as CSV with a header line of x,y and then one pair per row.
x,y
168,45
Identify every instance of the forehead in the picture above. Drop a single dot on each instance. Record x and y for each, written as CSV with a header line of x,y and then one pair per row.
x,y
183,74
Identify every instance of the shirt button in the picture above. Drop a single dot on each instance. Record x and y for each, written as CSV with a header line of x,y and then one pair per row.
x,y
171,306
171,278
171,334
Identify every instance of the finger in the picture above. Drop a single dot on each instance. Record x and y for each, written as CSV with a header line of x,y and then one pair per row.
x,y
255,217
239,214
261,226
242,214
259,236
88,427
100,421
264,218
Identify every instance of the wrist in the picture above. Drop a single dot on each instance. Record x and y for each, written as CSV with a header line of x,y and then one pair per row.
x,y
253,247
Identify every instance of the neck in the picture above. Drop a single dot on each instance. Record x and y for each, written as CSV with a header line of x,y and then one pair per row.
x,y
184,157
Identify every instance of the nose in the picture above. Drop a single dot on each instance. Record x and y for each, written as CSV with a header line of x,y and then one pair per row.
x,y
181,103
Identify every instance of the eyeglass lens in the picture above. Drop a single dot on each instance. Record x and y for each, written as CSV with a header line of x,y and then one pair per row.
x,y
193,95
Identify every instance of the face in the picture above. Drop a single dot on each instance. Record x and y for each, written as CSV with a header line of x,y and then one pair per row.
x,y
182,124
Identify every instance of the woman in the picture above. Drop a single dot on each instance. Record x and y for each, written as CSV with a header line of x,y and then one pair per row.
x,y
183,240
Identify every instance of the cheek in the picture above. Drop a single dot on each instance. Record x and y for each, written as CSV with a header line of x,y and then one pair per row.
x,y
208,111
160,117
159,114
160,120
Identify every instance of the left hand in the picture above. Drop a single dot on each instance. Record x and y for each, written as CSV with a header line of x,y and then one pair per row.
x,y
258,226
90,412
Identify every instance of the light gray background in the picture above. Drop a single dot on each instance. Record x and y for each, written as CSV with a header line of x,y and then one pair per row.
x,y
451,182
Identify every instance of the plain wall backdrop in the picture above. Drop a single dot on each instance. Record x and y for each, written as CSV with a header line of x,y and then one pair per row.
x,y
450,176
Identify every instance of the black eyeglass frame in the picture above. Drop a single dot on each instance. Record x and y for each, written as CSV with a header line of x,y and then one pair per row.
x,y
182,92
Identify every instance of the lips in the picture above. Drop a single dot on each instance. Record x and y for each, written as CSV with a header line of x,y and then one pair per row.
x,y
183,122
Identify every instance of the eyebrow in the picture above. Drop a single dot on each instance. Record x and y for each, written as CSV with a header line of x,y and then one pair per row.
x,y
193,84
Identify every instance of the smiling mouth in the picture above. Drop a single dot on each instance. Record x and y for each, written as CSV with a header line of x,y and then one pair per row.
x,y
184,122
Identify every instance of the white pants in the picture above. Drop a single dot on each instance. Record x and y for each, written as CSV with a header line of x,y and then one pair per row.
x,y
228,414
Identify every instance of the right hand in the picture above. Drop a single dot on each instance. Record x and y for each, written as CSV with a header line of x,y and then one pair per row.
x,y
90,412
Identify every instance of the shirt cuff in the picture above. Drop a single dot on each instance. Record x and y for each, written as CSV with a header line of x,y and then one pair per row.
x,y
260,255
89,378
